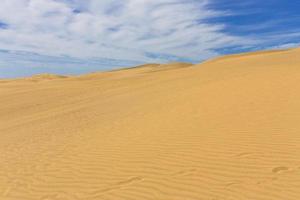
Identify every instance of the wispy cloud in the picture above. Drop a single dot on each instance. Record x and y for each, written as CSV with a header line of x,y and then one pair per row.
x,y
20,63
132,30
112,28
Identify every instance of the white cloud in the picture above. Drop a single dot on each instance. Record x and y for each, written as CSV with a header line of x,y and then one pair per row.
x,y
285,46
114,29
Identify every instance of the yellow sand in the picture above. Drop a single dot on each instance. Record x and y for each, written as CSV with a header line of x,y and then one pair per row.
x,y
228,129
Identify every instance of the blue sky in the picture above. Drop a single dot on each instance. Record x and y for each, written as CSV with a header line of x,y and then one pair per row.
x,y
76,36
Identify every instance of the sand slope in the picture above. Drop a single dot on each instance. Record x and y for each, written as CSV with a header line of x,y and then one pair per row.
x,y
227,129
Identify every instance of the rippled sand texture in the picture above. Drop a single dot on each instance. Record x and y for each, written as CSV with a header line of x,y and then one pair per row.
x,y
227,129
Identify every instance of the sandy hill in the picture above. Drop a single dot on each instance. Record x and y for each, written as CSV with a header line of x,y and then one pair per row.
x,y
227,129
35,78
134,71
47,77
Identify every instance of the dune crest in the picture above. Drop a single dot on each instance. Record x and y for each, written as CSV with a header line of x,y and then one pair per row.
x,y
45,77
131,72
227,129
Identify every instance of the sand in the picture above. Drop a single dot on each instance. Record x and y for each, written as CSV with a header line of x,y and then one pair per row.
x,y
227,129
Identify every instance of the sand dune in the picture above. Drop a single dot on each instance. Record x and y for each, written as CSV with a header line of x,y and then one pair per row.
x,y
227,129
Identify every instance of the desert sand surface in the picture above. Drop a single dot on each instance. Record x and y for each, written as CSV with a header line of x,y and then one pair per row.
x,y
227,129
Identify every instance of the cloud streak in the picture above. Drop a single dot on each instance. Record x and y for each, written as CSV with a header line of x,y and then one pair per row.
x,y
132,30
128,29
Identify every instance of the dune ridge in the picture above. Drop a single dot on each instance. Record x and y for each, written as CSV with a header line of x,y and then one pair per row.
x,y
226,129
